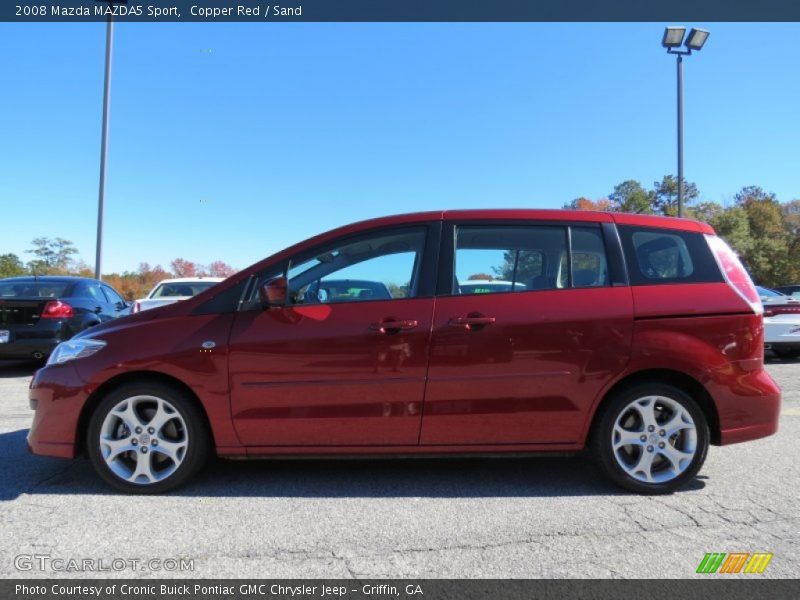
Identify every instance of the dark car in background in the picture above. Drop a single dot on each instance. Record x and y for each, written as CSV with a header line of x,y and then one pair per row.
x,y
346,290
38,313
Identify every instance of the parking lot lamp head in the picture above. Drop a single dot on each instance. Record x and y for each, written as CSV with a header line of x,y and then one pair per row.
x,y
696,39
673,37
672,40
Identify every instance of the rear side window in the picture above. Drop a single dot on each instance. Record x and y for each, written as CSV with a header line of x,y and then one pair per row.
x,y
657,256
589,266
89,290
113,296
494,259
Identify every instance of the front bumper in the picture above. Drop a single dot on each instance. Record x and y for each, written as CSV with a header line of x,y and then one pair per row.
x,y
58,395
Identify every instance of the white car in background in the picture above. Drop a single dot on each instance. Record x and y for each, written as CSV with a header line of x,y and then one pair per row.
x,y
781,323
170,291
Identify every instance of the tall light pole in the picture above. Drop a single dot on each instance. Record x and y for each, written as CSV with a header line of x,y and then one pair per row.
x,y
672,41
104,136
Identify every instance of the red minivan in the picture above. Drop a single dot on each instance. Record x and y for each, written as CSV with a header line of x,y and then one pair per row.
x,y
636,338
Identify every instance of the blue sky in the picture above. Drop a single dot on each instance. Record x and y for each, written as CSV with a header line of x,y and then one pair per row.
x,y
229,142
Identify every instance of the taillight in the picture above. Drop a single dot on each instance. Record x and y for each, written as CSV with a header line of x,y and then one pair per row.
x,y
785,309
56,309
136,307
735,273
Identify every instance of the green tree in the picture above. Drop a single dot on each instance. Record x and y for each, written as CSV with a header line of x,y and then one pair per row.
x,y
52,256
11,265
791,220
665,195
768,256
630,196
705,211
732,225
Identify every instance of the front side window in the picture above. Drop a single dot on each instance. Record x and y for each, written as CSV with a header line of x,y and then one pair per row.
x,y
382,266
492,259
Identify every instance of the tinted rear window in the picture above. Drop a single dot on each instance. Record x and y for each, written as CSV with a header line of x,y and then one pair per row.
x,y
656,256
33,289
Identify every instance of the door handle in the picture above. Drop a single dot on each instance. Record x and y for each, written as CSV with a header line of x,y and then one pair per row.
x,y
394,325
471,322
98,309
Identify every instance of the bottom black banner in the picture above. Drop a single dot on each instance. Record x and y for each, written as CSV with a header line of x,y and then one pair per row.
x,y
406,589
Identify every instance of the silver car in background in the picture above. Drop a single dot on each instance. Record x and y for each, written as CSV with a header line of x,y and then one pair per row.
x,y
170,291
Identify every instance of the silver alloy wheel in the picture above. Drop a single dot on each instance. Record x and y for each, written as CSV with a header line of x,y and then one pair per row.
x,y
143,439
654,439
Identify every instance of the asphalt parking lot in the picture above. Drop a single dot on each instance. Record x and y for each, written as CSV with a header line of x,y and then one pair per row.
x,y
543,517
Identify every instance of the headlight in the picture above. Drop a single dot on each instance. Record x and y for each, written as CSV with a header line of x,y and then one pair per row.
x,y
72,349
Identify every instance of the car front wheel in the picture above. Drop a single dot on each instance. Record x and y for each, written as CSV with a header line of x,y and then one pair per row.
x,y
651,439
147,438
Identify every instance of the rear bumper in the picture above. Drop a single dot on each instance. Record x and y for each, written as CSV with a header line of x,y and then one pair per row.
x,y
745,434
58,393
28,348
749,407
27,340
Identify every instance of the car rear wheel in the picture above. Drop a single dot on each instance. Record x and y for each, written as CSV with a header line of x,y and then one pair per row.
x,y
147,438
651,438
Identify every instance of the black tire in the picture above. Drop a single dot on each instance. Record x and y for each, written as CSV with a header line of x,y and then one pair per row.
x,y
601,445
198,437
787,353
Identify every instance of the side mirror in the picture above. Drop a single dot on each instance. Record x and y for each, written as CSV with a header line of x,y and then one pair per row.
x,y
274,292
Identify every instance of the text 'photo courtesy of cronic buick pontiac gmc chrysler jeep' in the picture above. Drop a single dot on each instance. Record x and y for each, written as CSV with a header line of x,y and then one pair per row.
x,y
638,339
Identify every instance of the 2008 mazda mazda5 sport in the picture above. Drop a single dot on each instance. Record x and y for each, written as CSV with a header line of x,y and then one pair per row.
x,y
637,338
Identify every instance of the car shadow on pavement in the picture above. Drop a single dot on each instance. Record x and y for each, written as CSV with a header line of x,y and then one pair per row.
x,y
24,473
18,368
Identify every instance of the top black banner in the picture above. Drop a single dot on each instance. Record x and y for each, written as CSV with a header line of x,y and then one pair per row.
x,y
397,10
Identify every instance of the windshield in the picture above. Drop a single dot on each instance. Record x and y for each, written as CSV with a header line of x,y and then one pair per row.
x,y
181,290
32,289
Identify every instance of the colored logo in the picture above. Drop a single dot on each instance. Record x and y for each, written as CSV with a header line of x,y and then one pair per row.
x,y
735,562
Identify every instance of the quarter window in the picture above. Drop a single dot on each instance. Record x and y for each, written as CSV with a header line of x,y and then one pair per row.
x,y
658,256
